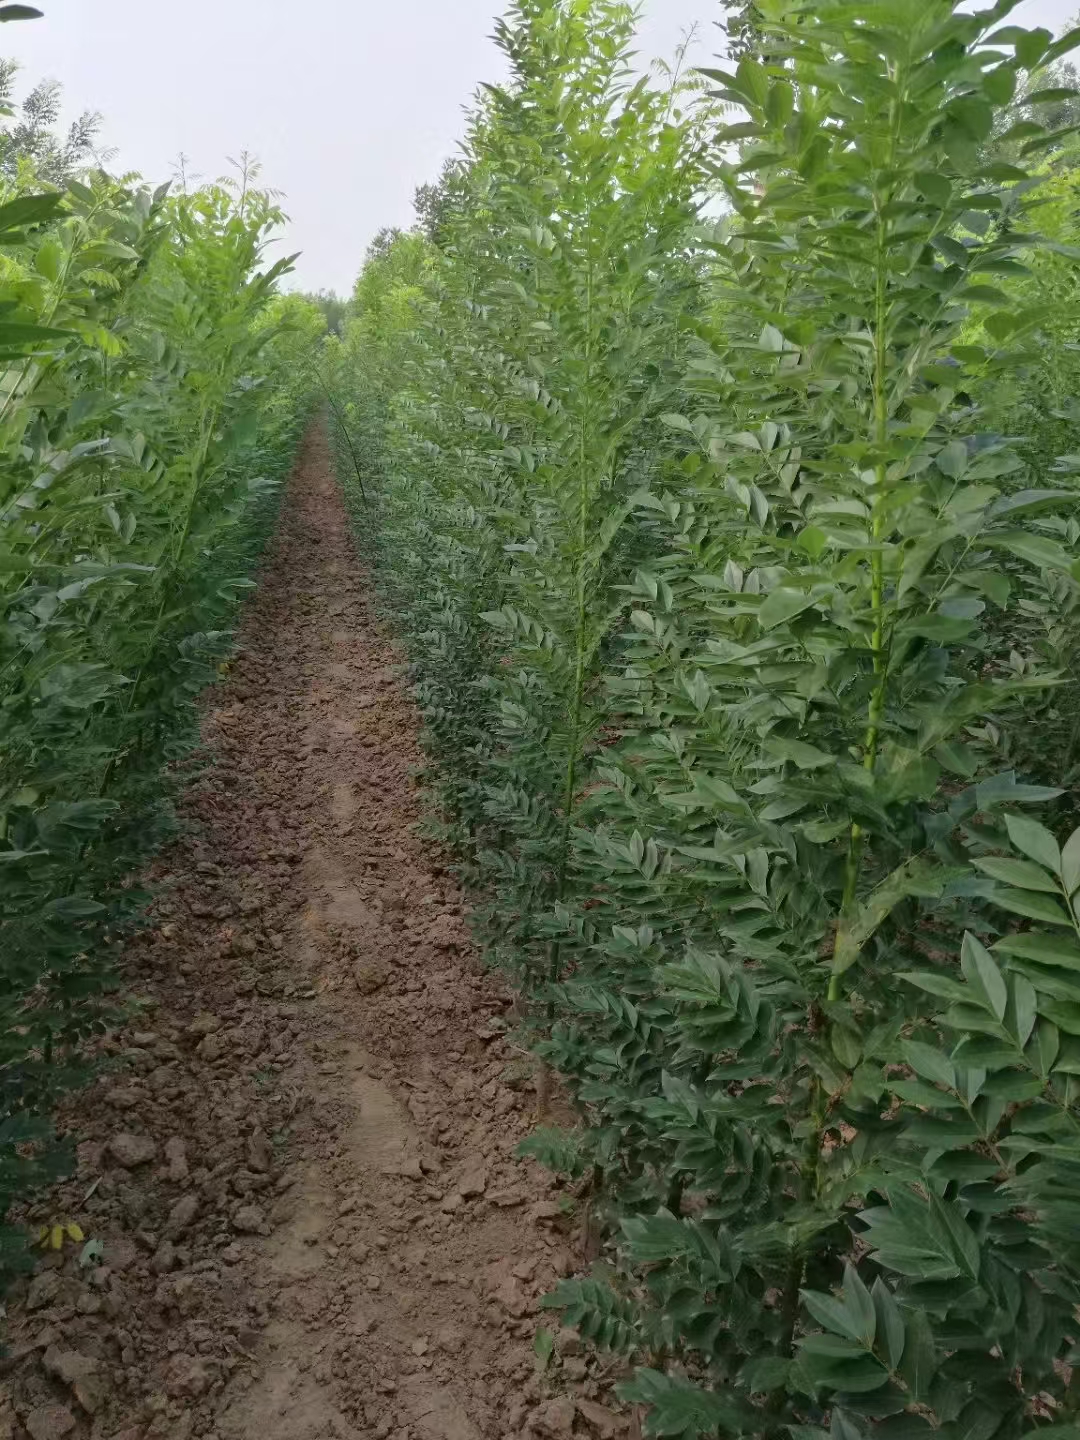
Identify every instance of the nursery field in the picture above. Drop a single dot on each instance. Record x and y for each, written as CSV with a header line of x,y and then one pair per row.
x,y
592,947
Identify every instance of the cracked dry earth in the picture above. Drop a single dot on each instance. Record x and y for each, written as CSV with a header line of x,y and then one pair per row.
x,y
299,1160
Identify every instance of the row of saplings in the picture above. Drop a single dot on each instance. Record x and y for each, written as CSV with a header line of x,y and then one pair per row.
x,y
738,568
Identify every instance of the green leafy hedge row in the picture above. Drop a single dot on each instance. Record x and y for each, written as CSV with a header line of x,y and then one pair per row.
x,y
149,407
741,632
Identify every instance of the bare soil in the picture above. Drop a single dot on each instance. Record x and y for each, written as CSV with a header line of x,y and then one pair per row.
x,y
298,1164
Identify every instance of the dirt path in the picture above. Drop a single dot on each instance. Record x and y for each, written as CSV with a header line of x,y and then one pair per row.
x,y
300,1167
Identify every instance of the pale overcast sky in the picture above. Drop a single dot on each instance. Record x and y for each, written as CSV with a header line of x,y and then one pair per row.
x,y
350,104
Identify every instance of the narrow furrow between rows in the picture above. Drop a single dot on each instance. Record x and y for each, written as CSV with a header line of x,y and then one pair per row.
x,y
296,1175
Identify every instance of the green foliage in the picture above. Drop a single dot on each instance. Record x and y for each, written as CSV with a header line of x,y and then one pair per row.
x,y
742,28
333,308
436,204
1031,398
148,408
31,143
731,606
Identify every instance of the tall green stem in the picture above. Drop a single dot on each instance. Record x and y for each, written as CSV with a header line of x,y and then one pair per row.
x,y
880,435
344,430
581,619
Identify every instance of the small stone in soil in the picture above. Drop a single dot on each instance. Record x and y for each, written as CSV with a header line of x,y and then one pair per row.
x,y
188,1377
181,1215
474,1183
555,1418
44,1289
260,1154
79,1372
176,1159
606,1422
50,1422
211,1047
130,1150
164,1258
249,1220
123,1097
